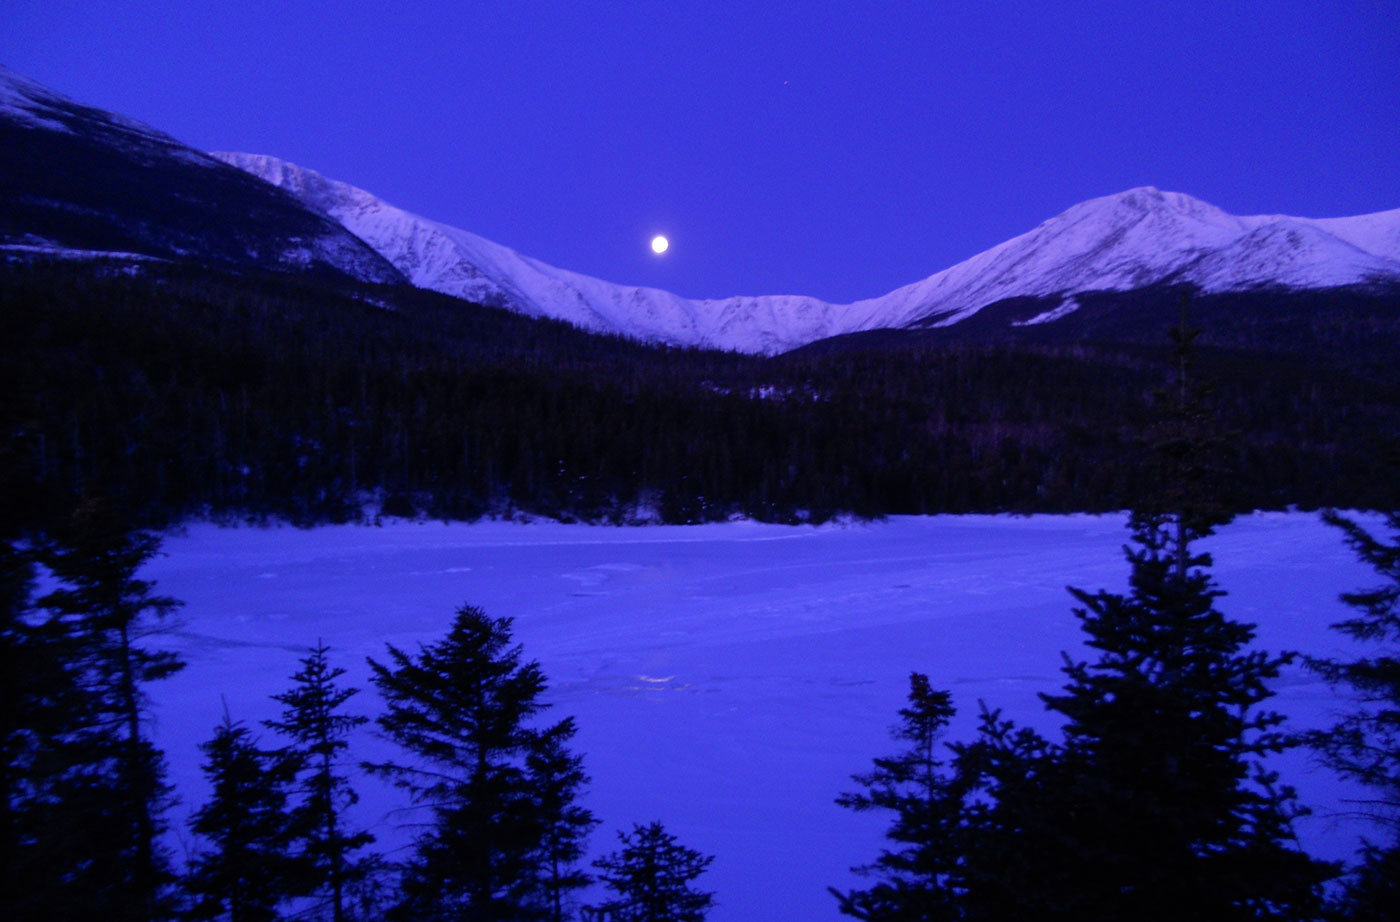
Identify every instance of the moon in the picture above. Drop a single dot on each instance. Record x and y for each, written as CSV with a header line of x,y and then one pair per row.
x,y
659,244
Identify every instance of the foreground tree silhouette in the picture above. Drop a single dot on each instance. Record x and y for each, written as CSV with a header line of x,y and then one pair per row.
x,y
313,721
1365,744
652,877
1157,790
62,807
558,778
464,707
920,876
1154,804
250,870
104,614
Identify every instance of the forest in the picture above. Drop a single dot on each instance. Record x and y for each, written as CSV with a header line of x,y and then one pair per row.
x,y
181,391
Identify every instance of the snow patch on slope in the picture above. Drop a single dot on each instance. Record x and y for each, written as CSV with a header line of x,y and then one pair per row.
x,y
1065,308
309,242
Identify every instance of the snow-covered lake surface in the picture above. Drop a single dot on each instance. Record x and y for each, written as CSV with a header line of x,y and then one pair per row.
x,y
726,679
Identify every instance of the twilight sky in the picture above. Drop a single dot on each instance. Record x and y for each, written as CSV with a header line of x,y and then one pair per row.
x,y
830,149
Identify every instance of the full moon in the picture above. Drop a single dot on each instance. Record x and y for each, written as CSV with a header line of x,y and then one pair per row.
x,y
659,244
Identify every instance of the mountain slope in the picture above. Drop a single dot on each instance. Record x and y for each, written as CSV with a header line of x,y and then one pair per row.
x,y
79,181
464,265
1144,238
1137,239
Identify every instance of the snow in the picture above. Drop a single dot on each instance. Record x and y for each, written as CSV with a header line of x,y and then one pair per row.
x,y
727,679
1136,238
27,103
54,251
23,100
31,103
1140,237
1064,309
462,264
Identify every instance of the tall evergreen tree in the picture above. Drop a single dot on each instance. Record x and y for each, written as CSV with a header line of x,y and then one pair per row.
x,y
557,776
1154,805
1364,745
312,719
464,708
1158,788
652,876
103,613
53,761
919,877
67,824
251,870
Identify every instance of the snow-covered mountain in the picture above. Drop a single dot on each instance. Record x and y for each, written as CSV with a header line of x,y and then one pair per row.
x,y
464,265
1146,237
81,182
1132,240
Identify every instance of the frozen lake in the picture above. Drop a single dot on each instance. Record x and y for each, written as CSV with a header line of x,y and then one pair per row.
x,y
727,679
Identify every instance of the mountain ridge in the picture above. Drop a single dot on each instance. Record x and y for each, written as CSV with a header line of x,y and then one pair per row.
x,y
81,182
1134,239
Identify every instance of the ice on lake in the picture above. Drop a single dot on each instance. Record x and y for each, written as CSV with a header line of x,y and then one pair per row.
x,y
726,679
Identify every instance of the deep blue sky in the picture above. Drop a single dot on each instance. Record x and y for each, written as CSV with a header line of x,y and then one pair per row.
x,y
832,149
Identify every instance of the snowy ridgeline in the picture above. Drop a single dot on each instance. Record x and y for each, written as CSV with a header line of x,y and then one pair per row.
x,y
1121,242
727,679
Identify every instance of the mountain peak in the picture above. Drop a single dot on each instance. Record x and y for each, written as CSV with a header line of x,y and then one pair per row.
x,y
1143,201
1135,238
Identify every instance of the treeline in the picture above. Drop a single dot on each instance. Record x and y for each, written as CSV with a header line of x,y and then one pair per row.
x,y
493,785
180,392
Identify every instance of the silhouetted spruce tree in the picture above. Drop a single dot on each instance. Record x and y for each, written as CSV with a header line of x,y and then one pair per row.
x,y
919,876
652,876
55,763
67,822
1004,777
1154,804
250,871
103,614
1364,745
1157,790
463,708
17,732
314,723
964,830
557,776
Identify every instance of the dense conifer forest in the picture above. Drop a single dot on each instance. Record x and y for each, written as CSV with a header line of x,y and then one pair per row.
x,y
181,391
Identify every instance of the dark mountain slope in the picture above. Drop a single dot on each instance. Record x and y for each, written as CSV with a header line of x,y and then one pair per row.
x,y
1355,328
77,178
